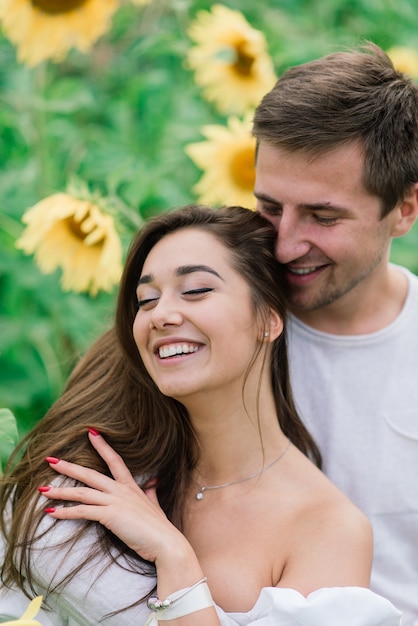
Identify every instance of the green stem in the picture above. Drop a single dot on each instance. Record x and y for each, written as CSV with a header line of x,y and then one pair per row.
x,y
40,128
132,216
51,364
10,226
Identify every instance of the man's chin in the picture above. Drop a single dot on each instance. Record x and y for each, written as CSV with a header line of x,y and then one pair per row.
x,y
299,302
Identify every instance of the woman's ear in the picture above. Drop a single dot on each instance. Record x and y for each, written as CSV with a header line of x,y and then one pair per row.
x,y
273,327
276,325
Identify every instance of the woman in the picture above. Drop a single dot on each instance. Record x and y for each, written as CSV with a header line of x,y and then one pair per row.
x,y
190,395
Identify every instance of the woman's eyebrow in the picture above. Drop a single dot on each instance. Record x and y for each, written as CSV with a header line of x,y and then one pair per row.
x,y
183,270
189,269
147,278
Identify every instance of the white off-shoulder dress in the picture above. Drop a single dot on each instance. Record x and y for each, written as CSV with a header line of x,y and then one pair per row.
x,y
103,587
338,606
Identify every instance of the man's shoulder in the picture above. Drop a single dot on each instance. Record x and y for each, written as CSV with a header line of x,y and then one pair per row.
x,y
411,276
413,279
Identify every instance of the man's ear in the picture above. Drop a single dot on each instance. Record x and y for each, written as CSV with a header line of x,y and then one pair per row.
x,y
406,213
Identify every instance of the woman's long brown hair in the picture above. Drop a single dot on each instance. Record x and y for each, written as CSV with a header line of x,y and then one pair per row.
x,y
111,391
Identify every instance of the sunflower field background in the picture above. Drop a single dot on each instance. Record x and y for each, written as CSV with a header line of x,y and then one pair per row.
x,y
115,110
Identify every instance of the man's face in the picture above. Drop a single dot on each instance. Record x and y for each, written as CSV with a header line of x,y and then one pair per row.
x,y
331,239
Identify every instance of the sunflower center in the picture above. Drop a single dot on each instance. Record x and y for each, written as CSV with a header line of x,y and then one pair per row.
x,y
243,62
243,169
76,228
57,6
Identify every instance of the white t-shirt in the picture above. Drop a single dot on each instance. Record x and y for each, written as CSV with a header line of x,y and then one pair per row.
x,y
358,396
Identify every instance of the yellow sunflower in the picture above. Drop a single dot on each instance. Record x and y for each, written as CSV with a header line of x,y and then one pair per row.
x,y
28,615
227,159
48,29
229,59
405,60
76,236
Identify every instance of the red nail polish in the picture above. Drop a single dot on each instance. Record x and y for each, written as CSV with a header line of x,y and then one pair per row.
x,y
50,509
43,489
93,432
52,459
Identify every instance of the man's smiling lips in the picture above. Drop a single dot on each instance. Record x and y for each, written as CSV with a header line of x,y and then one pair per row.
x,y
302,270
300,275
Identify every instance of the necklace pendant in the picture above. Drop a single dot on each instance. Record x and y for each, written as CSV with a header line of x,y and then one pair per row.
x,y
199,495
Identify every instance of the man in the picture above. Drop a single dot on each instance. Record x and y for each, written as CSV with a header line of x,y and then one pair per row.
x,y
337,174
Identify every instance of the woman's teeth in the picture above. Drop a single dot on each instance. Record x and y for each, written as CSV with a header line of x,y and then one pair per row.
x,y
171,350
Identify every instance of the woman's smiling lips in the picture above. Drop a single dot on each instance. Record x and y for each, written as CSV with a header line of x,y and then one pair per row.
x,y
175,347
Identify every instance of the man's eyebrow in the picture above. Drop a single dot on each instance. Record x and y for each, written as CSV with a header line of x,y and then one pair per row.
x,y
183,270
325,206
265,197
315,206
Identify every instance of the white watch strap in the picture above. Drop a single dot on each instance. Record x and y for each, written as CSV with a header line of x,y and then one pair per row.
x,y
195,600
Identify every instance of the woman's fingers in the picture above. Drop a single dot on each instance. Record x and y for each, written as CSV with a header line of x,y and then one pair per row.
x,y
92,478
84,495
113,460
135,518
118,503
89,504
80,512
85,475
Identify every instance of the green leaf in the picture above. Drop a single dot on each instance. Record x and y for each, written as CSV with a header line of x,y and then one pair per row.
x,y
8,434
8,427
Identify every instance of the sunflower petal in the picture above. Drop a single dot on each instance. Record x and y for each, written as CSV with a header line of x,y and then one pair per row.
x,y
404,60
229,51
40,33
28,615
227,159
78,238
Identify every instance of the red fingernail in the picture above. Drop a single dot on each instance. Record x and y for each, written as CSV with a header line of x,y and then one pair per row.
x,y
94,432
44,489
50,510
52,459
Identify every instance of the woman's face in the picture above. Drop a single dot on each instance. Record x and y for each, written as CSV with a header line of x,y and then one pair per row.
x,y
196,328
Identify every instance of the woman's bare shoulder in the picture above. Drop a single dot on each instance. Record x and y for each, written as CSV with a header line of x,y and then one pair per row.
x,y
331,541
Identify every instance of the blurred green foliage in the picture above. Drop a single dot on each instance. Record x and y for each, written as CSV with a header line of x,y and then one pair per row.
x,y
8,435
119,118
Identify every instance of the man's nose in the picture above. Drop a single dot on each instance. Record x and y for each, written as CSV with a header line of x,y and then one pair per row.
x,y
292,238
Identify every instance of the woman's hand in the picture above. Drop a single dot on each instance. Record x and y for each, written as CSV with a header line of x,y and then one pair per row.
x,y
132,514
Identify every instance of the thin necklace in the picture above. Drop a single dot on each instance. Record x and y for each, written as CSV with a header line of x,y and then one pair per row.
x,y
203,488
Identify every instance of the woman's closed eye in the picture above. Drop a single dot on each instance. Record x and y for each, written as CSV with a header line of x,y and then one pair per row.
x,y
200,291
147,303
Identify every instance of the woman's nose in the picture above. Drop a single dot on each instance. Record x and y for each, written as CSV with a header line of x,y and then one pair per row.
x,y
165,313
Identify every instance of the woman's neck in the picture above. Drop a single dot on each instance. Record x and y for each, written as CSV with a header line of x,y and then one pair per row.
x,y
234,440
